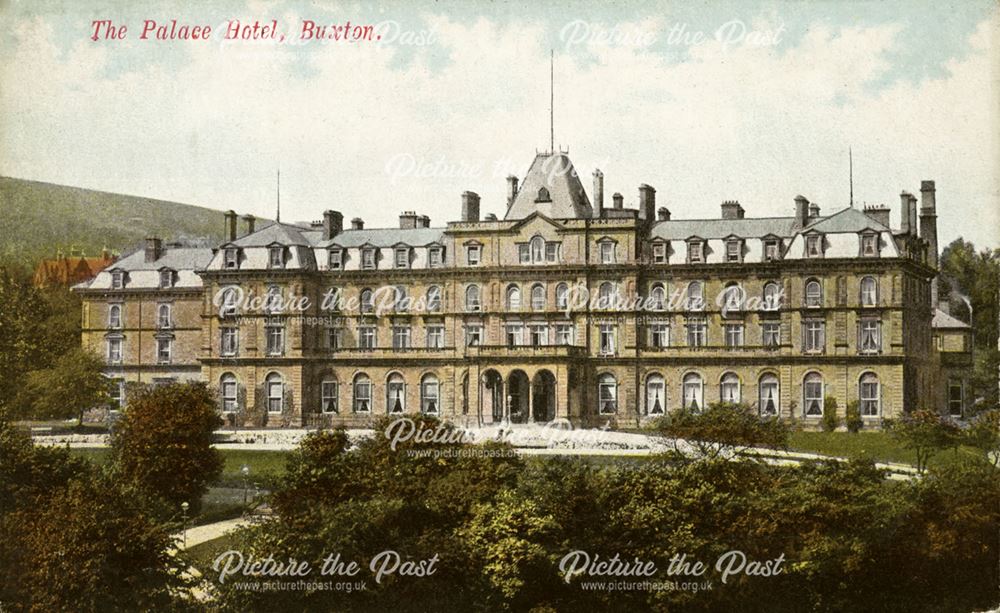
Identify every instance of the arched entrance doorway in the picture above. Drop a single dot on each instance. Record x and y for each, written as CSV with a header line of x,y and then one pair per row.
x,y
543,396
491,397
518,392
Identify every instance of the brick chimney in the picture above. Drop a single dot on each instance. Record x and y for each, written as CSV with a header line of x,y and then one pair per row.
x,y
511,189
423,221
879,213
407,220
732,209
617,200
598,193
813,210
647,202
357,224
333,224
230,217
470,206
663,213
249,223
801,211
154,249
928,230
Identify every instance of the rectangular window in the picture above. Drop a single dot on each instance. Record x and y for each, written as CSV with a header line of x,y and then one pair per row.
x,y
514,335
813,336
436,257
608,392
694,251
770,251
607,252
277,259
472,255
232,258
696,332
275,396
659,335
869,392
814,246
552,252
771,334
539,335
166,278
523,254
366,337
401,337
734,335
435,337
368,259
328,397
275,339
733,251
334,338
608,339
163,350
229,395
336,259
117,280
229,341
956,398
473,335
429,396
402,258
363,396
115,350
869,336
869,244
117,394
564,334
659,253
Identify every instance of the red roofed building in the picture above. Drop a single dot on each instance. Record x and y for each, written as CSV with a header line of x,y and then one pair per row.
x,y
63,270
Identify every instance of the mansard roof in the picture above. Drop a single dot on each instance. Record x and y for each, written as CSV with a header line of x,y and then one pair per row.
x,y
847,220
386,237
280,233
683,229
174,258
564,196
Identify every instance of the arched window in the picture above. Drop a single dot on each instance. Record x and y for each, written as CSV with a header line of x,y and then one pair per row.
x,y
429,395
869,395
513,298
275,393
472,302
399,300
770,401
607,394
657,297
772,295
115,316
543,195
395,394
562,296
695,296
229,389
694,397
812,395
328,396
729,387
814,293
434,299
537,250
273,300
656,399
732,297
230,298
362,393
538,297
869,291
605,295
367,301
163,316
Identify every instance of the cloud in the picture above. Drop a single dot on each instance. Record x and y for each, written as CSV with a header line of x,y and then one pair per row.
x,y
758,122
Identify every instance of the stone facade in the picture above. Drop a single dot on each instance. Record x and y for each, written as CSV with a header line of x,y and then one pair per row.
x,y
563,309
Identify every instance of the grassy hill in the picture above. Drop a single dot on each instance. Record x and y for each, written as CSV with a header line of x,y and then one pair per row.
x,y
38,218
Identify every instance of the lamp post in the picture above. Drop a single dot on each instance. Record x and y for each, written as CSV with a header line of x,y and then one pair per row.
x,y
245,469
184,510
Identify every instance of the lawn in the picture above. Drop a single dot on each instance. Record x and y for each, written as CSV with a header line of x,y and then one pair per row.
x,y
877,445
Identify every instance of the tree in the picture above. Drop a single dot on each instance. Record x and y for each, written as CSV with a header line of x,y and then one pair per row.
x,y
926,433
984,434
69,387
724,428
830,418
163,442
852,417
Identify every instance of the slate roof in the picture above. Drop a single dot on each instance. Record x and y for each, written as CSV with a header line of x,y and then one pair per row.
x,y
944,320
554,172
720,228
175,258
274,233
386,237
846,220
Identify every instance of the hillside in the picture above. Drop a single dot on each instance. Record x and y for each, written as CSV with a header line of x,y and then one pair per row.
x,y
38,218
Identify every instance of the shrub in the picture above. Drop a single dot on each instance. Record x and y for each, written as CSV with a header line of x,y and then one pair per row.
x,y
723,428
926,433
830,418
852,417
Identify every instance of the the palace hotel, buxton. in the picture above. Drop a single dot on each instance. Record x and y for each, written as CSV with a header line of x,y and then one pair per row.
x,y
481,320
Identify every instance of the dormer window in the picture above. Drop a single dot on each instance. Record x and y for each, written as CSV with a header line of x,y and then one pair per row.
x,y
772,250
869,245
166,278
117,279
368,258
695,251
607,251
402,259
659,253
232,258
276,258
543,195
336,259
814,246
734,250
473,254
435,257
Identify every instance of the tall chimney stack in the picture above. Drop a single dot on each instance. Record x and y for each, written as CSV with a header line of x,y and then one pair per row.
x,y
249,222
511,189
470,206
333,224
617,200
904,211
154,249
423,221
801,211
647,202
732,209
928,231
598,193
230,217
407,220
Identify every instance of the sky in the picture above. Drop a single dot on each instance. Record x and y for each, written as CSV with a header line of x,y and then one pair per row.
x,y
705,101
